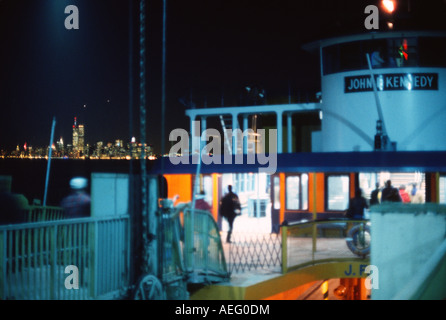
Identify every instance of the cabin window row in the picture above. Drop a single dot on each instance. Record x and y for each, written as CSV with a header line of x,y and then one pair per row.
x,y
385,53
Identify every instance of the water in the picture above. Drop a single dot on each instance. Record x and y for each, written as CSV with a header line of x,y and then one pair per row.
x,y
28,175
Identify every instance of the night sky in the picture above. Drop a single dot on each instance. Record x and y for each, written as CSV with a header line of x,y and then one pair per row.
x,y
214,49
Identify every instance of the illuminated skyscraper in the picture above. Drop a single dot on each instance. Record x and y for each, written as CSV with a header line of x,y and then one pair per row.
x,y
78,137
75,135
81,138
59,145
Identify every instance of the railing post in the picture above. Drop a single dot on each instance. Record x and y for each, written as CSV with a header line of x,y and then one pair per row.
x,y
284,249
92,232
314,239
53,255
2,265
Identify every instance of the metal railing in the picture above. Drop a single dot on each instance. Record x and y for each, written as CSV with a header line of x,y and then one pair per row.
x,y
250,251
85,258
320,241
40,213
203,250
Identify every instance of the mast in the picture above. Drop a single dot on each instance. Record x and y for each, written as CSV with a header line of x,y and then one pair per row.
x,y
146,258
50,151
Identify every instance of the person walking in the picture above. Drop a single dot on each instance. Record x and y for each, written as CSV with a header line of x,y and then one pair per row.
x,y
201,202
357,206
374,196
230,208
77,203
390,194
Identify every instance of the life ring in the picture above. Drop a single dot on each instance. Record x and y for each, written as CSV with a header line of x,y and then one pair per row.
x,y
358,240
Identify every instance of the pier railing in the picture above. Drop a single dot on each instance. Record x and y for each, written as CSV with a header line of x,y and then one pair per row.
x,y
40,213
319,241
85,258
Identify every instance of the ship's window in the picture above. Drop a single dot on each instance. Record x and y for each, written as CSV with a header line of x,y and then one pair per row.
x,y
330,59
442,191
432,52
385,53
276,193
350,56
402,52
296,192
338,192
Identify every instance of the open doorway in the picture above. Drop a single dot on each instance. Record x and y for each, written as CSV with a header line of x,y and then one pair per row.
x,y
253,190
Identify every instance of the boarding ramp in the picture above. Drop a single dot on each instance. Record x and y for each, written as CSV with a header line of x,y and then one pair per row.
x,y
190,244
203,251
190,252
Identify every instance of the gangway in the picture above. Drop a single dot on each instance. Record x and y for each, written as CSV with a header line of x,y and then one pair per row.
x,y
190,252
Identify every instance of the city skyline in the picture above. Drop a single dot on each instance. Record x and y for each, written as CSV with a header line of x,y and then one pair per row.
x,y
78,147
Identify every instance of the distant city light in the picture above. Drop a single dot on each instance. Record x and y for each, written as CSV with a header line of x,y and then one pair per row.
x,y
79,149
389,5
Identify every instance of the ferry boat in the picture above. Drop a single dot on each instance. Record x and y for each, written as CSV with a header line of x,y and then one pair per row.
x,y
375,123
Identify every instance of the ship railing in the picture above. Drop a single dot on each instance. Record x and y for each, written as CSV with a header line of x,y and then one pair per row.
x,y
322,241
71,259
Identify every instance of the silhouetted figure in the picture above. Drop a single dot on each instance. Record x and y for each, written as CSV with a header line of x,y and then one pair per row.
x,y
403,194
390,194
357,206
230,208
374,196
376,60
201,203
77,204
12,206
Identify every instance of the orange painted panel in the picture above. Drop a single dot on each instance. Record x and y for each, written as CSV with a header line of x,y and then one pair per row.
x,y
179,184
215,196
320,193
282,197
320,189
352,185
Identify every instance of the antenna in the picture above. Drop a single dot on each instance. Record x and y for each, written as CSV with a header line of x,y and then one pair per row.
x,y
382,141
49,161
